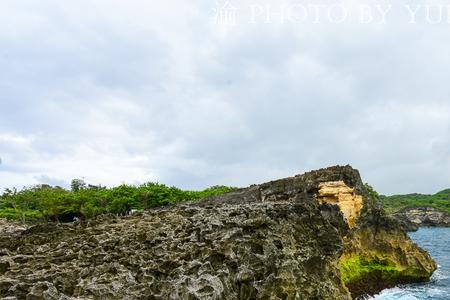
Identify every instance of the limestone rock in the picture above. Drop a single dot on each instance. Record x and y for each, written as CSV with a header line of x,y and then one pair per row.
x,y
423,216
338,193
293,238
4,266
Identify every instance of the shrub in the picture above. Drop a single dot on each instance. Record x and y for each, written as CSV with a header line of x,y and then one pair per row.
x,y
88,201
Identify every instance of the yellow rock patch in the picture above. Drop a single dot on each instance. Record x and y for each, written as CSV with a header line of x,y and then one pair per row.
x,y
337,192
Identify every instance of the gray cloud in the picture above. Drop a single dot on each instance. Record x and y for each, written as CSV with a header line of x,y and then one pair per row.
x,y
137,91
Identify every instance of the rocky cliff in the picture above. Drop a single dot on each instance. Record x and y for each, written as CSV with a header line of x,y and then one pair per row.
x,y
314,236
415,217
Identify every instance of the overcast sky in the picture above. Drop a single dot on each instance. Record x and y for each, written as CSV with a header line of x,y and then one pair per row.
x,y
134,91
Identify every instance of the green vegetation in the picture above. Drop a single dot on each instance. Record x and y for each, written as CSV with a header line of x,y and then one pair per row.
x,y
395,203
439,200
359,268
371,191
44,202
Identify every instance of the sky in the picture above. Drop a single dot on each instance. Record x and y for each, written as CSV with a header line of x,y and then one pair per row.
x,y
200,93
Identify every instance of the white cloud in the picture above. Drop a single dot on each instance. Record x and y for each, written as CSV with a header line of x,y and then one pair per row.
x,y
118,91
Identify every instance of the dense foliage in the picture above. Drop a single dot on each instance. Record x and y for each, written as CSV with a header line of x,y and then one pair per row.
x,y
86,201
439,200
371,191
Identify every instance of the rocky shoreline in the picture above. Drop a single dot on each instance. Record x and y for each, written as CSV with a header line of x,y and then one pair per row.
x,y
313,236
423,216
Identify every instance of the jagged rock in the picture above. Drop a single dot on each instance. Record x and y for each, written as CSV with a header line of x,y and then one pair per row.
x,y
4,266
9,227
405,223
415,217
43,290
306,237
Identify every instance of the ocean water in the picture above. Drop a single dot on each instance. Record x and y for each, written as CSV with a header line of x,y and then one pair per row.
x,y
437,242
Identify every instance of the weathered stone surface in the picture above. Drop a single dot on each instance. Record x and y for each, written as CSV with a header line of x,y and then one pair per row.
x,y
375,260
248,251
278,240
4,266
405,223
413,218
338,193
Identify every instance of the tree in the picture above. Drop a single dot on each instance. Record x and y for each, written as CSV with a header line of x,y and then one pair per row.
x,y
77,185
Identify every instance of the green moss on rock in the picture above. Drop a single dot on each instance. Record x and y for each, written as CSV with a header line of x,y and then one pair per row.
x,y
374,261
360,268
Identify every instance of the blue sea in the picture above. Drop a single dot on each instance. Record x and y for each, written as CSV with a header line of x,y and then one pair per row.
x,y
437,242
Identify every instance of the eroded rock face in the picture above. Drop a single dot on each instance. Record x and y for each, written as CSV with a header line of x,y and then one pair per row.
x,y
8,228
279,240
338,193
249,251
375,260
424,216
